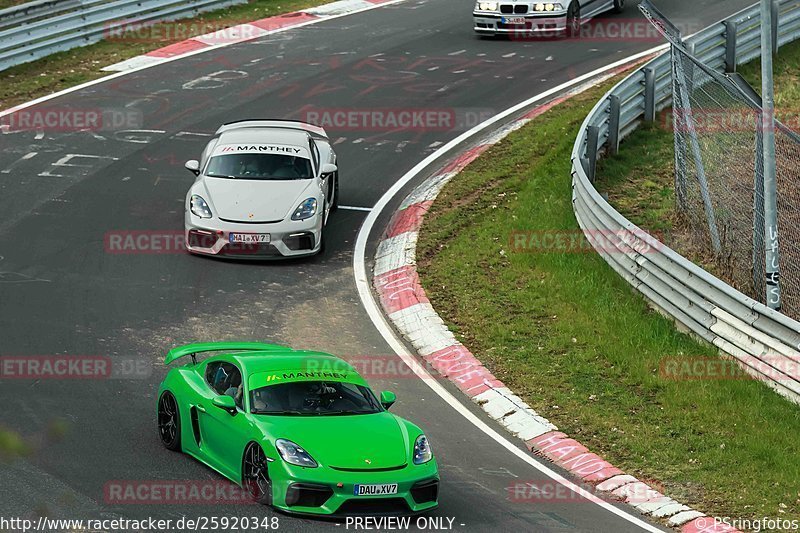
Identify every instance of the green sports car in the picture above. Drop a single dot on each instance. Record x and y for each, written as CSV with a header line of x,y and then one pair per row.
x,y
299,430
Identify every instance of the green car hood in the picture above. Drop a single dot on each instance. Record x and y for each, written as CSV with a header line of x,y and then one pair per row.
x,y
357,442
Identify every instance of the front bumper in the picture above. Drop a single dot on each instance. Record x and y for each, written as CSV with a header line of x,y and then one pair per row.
x,y
316,490
288,238
491,23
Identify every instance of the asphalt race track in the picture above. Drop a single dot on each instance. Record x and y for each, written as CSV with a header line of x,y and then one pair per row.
x,y
62,291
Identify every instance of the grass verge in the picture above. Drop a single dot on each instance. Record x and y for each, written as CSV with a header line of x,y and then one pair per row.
x,y
570,336
66,69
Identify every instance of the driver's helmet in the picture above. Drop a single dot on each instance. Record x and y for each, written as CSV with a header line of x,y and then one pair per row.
x,y
250,165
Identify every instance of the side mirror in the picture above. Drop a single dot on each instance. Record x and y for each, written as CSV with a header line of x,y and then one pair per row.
x,y
387,399
329,168
225,402
193,165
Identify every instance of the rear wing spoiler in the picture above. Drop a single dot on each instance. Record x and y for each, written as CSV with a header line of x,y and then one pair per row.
x,y
316,131
201,347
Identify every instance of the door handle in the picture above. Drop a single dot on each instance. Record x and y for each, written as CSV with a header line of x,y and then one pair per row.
x,y
200,408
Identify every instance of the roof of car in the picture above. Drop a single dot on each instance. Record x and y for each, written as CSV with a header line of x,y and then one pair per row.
x,y
253,362
265,135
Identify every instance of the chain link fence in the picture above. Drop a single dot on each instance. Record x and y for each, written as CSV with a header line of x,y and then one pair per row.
x,y
719,177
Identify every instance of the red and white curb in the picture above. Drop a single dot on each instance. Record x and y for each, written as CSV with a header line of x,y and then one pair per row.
x,y
247,32
403,299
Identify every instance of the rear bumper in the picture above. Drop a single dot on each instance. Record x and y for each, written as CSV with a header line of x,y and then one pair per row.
x,y
536,24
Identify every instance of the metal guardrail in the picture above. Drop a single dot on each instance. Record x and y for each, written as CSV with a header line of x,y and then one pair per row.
x,y
37,29
766,343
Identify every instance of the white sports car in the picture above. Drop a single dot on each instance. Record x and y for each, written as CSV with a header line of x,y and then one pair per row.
x,y
264,188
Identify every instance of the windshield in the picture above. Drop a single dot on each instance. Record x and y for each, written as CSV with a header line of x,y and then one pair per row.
x,y
260,167
314,398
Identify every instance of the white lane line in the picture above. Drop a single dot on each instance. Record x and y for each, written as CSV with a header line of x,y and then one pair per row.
x,y
354,208
29,155
381,324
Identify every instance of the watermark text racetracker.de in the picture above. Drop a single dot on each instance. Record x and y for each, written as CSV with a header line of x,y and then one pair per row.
x,y
72,367
773,366
604,29
576,241
396,119
548,492
716,120
57,119
175,492
185,523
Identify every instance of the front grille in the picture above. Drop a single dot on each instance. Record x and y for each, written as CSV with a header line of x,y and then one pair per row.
x,y
386,469
373,506
425,491
506,8
519,10
307,495
506,26
249,249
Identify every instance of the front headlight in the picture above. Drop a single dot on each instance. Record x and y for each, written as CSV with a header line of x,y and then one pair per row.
x,y
548,7
294,454
422,450
486,6
306,209
200,207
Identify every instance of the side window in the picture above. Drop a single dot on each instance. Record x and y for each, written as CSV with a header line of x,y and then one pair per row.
x,y
207,153
225,378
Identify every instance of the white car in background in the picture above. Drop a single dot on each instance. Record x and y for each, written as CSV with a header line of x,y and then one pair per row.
x,y
525,18
264,189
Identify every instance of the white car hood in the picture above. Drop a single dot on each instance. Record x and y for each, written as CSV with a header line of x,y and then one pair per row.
x,y
242,200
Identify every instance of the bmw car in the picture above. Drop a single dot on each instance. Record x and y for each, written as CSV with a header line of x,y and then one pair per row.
x,y
523,18
264,189
301,431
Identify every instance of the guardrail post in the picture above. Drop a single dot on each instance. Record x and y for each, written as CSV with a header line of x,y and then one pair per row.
x,y
649,94
774,16
731,28
592,139
613,124
758,210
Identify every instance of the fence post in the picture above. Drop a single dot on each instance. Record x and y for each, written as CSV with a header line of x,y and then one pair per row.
x,y
758,209
730,45
775,15
649,94
680,145
613,124
592,138
772,252
684,85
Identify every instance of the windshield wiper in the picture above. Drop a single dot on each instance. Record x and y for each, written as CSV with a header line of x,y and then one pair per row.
x,y
221,176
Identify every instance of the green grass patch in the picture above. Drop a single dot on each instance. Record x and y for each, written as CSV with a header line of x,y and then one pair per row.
x,y
570,336
66,69
8,3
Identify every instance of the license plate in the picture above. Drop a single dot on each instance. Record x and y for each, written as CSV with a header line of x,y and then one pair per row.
x,y
514,20
248,238
375,490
